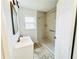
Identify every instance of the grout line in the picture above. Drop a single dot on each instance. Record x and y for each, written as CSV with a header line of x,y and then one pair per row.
x,y
48,49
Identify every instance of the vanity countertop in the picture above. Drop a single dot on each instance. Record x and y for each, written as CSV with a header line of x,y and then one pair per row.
x,y
24,41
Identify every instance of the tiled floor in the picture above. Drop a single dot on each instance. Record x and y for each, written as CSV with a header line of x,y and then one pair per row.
x,y
49,44
41,52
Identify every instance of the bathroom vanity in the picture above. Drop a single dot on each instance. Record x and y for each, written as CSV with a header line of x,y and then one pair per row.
x,y
24,48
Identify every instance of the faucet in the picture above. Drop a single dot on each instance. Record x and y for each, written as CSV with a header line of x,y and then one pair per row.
x,y
19,38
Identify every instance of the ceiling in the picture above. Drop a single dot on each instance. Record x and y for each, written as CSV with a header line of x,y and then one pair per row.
x,y
41,5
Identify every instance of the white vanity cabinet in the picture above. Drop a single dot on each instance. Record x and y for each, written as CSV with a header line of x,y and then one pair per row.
x,y
23,49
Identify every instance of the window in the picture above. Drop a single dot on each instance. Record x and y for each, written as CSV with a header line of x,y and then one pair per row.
x,y
30,23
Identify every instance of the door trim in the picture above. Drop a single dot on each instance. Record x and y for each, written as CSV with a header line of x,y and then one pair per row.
x,y
74,35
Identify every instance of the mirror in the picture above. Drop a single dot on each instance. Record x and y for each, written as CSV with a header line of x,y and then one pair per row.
x,y
14,18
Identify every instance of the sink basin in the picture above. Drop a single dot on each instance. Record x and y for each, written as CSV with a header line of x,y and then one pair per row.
x,y
23,49
24,41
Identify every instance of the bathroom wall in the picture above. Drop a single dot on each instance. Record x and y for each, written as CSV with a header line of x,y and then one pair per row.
x,y
46,21
41,20
50,24
25,12
6,29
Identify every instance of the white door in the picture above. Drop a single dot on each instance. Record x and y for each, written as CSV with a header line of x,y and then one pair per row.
x,y
65,20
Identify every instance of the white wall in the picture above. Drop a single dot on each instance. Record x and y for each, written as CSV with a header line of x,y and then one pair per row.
x,y
6,29
41,20
50,24
46,21
66,10
7,36
24,12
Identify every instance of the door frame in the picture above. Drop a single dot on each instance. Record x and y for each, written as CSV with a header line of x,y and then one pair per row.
x,y
74,37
